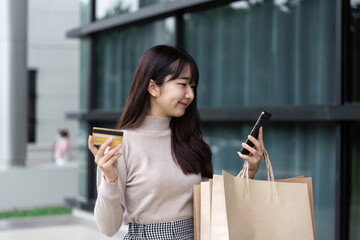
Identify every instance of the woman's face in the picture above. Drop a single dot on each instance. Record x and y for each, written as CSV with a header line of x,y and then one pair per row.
x,y
173,97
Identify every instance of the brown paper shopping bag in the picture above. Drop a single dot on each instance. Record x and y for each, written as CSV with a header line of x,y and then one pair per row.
x,y
205,210
202,210
308,182
267,210
219,222
222,224
260,210
197,202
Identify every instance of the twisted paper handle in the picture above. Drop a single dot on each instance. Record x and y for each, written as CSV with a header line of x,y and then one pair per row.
x,y
244,173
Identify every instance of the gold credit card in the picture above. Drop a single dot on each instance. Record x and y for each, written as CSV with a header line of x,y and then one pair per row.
x,y
100,135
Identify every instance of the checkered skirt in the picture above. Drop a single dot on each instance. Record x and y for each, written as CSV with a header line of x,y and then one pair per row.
x,y
177,230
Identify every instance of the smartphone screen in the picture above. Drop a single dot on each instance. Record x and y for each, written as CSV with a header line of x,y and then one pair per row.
x,y
261,122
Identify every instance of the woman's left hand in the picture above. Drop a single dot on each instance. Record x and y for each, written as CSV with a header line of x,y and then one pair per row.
x,y
255,154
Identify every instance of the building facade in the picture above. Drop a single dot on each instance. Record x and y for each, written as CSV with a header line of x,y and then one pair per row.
x,y
53,68
297,59
39,82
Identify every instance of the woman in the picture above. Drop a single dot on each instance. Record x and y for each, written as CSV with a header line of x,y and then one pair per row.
x,y
62,148
148,183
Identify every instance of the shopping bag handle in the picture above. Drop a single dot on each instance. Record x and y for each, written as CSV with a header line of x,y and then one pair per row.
x,y
244,173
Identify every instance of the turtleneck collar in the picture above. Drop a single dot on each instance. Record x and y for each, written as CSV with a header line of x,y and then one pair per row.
x,y
152,123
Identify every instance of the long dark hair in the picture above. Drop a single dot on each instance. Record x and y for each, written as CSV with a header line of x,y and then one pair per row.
x,y
189,150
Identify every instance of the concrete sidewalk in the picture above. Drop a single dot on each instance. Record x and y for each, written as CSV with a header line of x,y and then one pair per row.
x,y
78,226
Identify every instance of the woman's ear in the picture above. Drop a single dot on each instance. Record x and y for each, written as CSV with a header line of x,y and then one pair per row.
x,y
153,88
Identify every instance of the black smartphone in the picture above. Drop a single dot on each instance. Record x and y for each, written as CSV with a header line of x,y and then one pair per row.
x,y
261,122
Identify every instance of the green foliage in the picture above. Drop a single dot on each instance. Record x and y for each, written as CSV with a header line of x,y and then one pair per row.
x,y
36,212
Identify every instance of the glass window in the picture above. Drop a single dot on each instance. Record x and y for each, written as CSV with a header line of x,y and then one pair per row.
x,y
295,150
257,52
84,12
109,8
82,157
355,50
355,182
117,54
84,76
32,106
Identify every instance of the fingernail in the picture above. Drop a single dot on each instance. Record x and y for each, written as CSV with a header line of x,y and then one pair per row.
x,y
112,138
119,146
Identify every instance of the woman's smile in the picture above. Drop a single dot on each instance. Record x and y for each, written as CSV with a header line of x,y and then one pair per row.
x,y
184,104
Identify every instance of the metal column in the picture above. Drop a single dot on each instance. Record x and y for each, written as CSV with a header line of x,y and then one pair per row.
x,y
13,82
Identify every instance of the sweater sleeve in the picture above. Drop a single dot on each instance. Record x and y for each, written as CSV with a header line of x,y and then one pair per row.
x,y
110,203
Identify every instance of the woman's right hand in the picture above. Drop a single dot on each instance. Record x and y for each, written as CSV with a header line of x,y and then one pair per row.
x,y
107,162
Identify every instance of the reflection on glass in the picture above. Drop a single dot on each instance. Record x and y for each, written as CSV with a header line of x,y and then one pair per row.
x,y
109,8
264,52
117,53
84,77
355,50
355,182
294,150
84,12
82,158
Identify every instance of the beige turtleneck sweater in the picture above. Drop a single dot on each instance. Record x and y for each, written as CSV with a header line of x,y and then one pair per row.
x,y
150,188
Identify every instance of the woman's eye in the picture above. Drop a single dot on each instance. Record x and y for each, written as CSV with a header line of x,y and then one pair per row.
x,y
182,84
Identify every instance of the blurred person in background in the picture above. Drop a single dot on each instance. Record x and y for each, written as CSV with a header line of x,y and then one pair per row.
x,y
62,148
